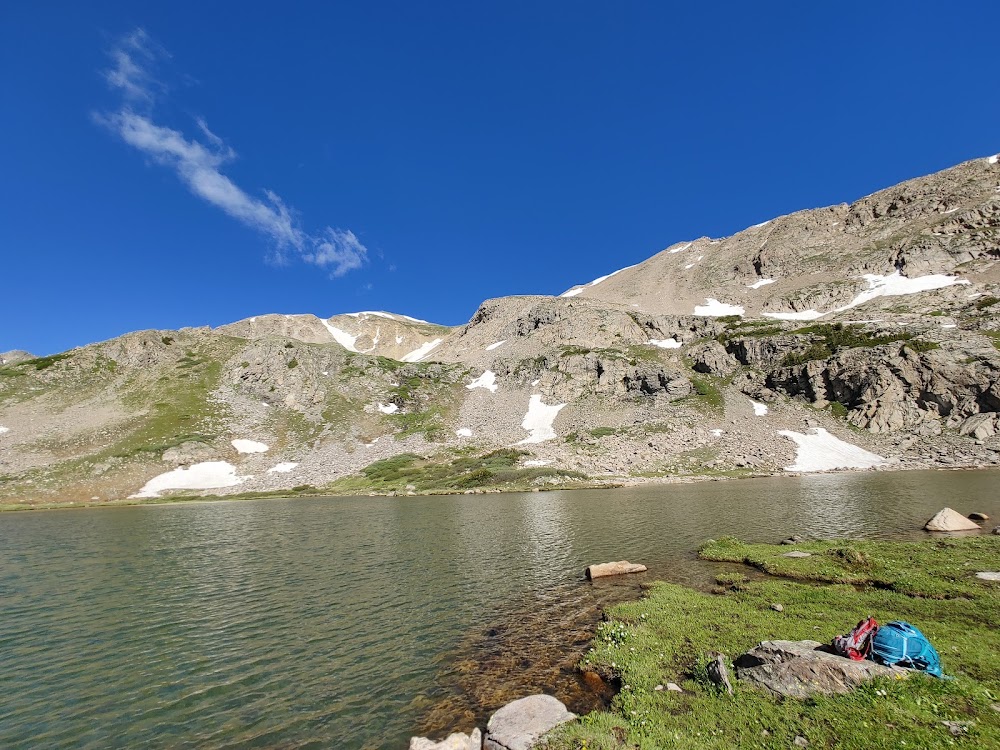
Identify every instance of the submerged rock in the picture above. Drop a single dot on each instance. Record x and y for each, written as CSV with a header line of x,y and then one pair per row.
x,y
520,724
947,519
454,741
799,669
978,517
613,569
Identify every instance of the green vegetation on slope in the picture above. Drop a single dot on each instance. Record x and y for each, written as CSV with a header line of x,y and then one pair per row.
x,y
827,339
496,469
667,637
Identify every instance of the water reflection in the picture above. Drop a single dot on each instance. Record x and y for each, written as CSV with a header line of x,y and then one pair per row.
x,y
352,622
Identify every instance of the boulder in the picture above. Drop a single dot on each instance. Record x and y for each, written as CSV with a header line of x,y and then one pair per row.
x,y
978,517
189,452
988,575
718,672
800,669
613,569
947,519
454,741
979,426
797,553
519,725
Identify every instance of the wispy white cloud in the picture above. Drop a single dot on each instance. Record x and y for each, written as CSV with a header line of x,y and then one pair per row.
x,y
198,163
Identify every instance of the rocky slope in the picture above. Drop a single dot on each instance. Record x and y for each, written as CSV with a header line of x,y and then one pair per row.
x,y
852,336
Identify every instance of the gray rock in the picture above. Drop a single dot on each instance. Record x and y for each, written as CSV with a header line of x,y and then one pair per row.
x,y
189,452
979,426
800,741
777,607
520,724
988,575
713,359
798,669
718,672
797,553
454,741
947,519
978,517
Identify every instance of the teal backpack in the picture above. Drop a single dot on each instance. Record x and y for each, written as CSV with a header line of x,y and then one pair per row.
x,y
898,643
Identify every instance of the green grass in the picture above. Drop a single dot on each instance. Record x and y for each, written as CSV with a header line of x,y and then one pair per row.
x,y
498,468
707,391
827,339
667,637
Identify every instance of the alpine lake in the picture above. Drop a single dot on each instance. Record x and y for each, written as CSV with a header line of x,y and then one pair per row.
x,y
357,622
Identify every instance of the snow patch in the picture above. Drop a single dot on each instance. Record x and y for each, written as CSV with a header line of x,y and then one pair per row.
x,y
762,224
343,338
759,284
949,325
689,266
418,354
714,308
535,382
249,446
665,343
538,421
537,462
577,289
463,432
804,315
283,468
495,344
487,380
895,285
208,475
717,433
4,429
821,451
759,410
993,159
387,408
680,249
376,313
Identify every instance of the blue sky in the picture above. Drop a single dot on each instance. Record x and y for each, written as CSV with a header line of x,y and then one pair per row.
x,y
197,163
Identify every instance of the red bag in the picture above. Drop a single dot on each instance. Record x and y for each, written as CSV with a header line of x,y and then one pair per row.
x,y
858,643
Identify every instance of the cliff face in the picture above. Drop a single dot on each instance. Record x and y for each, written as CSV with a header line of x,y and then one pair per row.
x,y
873,324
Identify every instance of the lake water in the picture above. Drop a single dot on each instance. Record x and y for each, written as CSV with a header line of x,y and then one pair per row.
x,y
354,622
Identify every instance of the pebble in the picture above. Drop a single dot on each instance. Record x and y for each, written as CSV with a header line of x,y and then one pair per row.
x,y
777,608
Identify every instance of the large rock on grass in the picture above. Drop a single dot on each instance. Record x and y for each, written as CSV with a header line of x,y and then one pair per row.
x,y
454,741
799,669
947,519
519,725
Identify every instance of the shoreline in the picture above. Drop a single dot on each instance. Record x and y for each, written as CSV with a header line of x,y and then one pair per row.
x,y
609,483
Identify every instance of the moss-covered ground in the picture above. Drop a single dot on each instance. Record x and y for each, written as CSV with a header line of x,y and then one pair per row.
x,y
667,636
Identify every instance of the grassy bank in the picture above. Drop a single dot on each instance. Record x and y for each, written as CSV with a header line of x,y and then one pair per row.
x,y
667,637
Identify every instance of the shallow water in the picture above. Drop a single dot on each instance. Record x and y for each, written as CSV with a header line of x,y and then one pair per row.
x,y
355,622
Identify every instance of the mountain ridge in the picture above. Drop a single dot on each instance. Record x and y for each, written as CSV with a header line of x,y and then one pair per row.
x,y
871,324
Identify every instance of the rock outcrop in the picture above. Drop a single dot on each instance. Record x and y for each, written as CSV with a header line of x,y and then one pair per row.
x,y
800,669
520,724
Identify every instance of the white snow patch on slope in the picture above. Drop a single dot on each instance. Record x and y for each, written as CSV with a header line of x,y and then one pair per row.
x,y
376,313
895,284
759,409
495,344
949,325
577,289
463,432
759,284
716,432
343,338
416,320
993,159
713,308
762,224
538,421
418,354
804,315
680,249
283,468
387,408
208,475
665,343
537,462
821,451
249,446
4,429
487,380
